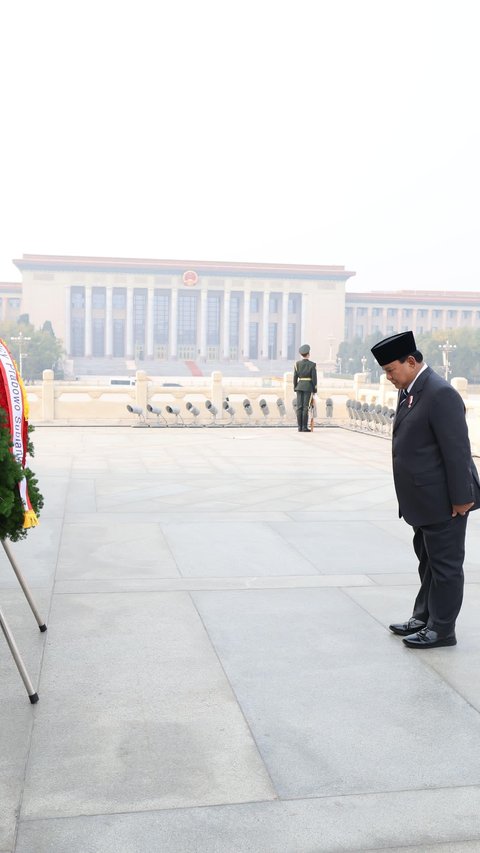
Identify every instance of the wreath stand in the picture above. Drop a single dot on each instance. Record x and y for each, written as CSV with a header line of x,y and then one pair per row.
x,y
32,694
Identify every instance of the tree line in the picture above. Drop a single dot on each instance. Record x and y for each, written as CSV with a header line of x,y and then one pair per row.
x,y
35,350
463,353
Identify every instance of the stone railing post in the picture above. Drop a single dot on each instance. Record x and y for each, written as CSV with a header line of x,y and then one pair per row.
x,y
461,385
48,396
141,390
359,379
385,385
288,392
216,392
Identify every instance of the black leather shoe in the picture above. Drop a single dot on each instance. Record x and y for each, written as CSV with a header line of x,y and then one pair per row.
x,y
406,628
429,639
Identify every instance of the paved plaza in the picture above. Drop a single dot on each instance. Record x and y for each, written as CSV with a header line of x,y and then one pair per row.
x,y
218,675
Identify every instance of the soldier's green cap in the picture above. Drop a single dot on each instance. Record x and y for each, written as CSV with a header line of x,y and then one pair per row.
x,y
304,349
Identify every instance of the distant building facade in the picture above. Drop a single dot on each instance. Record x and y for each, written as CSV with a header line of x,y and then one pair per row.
x,y
160,309
214,311
389,312
10,301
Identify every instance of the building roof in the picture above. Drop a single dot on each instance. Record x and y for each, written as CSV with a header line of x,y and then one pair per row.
x,y
174,267
10,286
412,297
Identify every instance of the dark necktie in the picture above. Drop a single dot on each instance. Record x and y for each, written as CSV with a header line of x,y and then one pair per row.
x,y
403,397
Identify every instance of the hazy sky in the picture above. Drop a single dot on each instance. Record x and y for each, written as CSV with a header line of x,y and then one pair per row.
x,y
297,131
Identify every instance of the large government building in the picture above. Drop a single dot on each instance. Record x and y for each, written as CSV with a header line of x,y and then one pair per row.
x,y
190,310
388,312
201,311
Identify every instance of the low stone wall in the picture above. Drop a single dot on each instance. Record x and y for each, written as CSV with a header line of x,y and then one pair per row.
x,y
75,403
62,403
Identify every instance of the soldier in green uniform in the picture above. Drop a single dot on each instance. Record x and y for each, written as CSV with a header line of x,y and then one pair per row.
x,y
305,384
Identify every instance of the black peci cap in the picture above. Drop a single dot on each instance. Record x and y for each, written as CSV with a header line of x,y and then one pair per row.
x,y
394,347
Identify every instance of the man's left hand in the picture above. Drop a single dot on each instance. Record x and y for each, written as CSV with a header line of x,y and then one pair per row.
x,y
460,509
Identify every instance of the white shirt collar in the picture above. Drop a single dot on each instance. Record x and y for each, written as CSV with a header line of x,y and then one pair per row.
x,y
418,374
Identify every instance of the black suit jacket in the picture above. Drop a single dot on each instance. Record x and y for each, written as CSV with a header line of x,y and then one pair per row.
x,y
432,462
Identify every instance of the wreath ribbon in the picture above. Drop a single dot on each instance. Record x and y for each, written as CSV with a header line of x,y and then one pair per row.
x,y
13,399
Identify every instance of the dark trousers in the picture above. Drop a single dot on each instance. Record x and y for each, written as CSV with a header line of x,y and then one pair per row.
x,y
440,549
303,400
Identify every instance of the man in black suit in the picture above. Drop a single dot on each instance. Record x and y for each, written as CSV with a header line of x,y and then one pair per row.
x,y
436,483
305,385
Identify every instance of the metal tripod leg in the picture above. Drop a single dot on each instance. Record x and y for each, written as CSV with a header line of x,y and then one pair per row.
x,y
32,695
21,580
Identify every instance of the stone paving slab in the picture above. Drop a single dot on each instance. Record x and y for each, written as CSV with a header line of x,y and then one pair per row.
x,y
415,819
218,674
136,713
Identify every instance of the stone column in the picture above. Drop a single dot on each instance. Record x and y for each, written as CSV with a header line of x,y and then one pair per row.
x,y
246,324
129,321
226,324
265,319
150,300
68,320
173,323
203,322
109,322
284,344
88,320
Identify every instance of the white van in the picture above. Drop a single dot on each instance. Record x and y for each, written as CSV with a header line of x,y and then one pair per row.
x,y
122,380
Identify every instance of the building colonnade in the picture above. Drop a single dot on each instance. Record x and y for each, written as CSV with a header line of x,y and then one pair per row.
x,y
181,322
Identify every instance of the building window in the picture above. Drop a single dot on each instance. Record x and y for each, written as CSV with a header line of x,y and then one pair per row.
x,y
77,330
274,303
139,315
359,331
294,303
119,298
98,337
272,340
254,303
292,340
392,312
187,318
451,314
407,312
253,339
467,315
436,313
77,297
119,338
161,312
98,297
376,313
213,319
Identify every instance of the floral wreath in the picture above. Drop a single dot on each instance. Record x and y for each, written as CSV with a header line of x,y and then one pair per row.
x,y
20,499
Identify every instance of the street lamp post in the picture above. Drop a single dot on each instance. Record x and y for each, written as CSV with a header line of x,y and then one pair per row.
x,y
446,348
20,339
